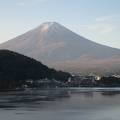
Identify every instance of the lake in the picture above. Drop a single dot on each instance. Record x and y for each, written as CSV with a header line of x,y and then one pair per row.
x,y
61,104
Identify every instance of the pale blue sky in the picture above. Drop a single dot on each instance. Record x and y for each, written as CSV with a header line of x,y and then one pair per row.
x,y
98,20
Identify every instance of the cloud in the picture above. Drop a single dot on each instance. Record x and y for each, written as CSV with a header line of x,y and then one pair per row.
x,y
102,25
29,2
110,18
100,28
104,18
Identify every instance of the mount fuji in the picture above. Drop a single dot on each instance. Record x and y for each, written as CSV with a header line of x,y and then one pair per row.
x,y
60,48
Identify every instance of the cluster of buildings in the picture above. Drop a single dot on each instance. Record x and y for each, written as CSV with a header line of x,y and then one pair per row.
x,y
74,81
83,80
78,80
44,83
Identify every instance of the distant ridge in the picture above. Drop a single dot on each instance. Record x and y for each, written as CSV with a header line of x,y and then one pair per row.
x,y
59,47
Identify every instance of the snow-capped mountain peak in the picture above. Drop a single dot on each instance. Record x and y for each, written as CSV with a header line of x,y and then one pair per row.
x,y
59,47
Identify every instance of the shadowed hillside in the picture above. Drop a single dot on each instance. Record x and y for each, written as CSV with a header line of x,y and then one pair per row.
x,y
16,68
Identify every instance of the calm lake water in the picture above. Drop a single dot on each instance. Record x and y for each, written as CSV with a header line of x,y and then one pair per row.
x,y
61,104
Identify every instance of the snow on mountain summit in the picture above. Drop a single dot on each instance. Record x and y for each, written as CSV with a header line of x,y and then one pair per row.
x,y
46,26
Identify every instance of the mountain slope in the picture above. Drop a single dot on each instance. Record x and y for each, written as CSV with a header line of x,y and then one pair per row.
x,y
58,47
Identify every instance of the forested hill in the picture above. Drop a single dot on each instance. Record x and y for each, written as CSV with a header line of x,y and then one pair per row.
x,y
16,68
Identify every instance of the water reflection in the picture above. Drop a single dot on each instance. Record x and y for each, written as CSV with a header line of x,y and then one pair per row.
x,y
41,98
30,97
61,104
110,93
88,94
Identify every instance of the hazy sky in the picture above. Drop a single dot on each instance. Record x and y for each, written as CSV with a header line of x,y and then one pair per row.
x,y
98,20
